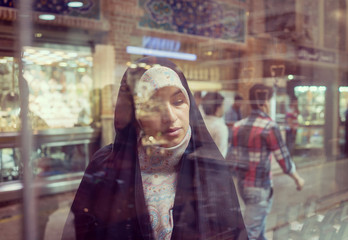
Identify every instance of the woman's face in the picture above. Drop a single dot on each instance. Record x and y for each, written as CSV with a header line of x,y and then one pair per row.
x,y
167,120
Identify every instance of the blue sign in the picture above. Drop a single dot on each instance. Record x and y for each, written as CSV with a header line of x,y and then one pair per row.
x,y
161,44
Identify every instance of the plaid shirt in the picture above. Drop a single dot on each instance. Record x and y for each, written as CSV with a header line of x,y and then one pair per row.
x,y
253,140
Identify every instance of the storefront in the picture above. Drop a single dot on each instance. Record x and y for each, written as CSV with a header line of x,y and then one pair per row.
x,y
311,76
64,99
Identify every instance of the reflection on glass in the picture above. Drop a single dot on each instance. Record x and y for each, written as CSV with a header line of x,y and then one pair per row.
x,y
311,104
59,160
343,102
59,84
9,95
9,164
60,92
172,184
47,161
311,101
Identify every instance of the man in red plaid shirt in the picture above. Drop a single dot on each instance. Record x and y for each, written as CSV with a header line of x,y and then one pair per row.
x,y
254,139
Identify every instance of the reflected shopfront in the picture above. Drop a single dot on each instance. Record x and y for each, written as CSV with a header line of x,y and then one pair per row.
x,y
64,101
311,100
60,85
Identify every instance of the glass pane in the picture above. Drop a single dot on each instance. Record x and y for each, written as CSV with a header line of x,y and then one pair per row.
x,y
60,160
94,79
9,95
10,165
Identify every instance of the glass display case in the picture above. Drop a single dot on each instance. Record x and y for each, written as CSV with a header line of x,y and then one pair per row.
x,y
311,105
9,95
55,152
343,108
60,86
343,102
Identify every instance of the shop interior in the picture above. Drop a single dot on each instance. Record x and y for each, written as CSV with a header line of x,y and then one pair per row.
x,y
60,85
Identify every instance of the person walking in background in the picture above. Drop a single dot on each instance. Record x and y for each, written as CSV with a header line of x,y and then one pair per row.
x,y
292,125
254,139
233,114
198,99
214,110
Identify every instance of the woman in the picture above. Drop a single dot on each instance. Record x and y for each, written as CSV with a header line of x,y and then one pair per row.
x,y
163,177
214,110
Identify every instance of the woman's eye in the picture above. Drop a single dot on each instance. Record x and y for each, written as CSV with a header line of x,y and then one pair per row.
x,y
178,102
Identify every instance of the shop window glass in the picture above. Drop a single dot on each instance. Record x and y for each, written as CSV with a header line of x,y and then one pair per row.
x,y
60,97
60,84
55,160
9,164
74,60
9,95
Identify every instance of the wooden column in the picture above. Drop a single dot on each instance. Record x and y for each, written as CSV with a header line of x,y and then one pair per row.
x,y
104,87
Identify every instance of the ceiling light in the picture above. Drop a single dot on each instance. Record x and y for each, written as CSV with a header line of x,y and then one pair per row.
x,y
59,53
28,61
343,89
209,53
47,17
72,54
29,50
337,14
57,58
38,35
75,4
42,62
44,52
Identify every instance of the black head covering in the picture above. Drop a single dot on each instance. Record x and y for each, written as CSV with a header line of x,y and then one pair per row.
x,y
110,203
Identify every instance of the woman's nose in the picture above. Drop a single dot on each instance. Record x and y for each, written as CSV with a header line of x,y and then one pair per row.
x,y
168,114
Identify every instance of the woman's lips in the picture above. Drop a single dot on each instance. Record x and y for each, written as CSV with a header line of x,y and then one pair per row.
x,y
172,132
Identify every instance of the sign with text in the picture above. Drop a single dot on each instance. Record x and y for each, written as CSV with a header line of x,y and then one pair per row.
x,y
161,44
316,55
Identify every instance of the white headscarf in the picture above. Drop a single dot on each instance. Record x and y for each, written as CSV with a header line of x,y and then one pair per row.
x,y
155,78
